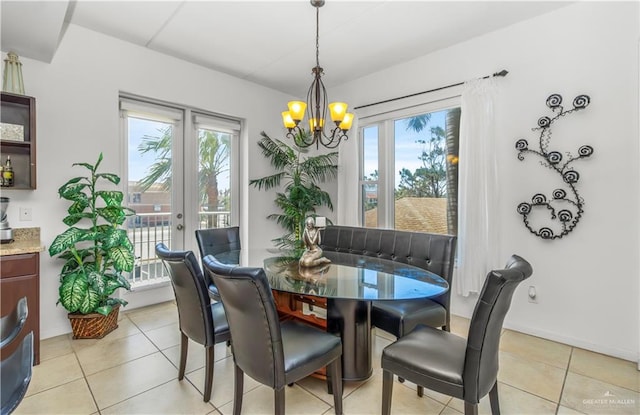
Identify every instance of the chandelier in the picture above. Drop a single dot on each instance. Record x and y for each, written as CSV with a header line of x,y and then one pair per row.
x,y
316,107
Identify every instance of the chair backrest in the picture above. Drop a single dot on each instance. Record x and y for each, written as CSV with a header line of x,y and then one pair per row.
x,y
15,375
433,252
256,339
192,297
481,360
11,324
215,240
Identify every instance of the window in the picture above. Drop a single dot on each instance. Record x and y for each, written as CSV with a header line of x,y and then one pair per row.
x,y
409,169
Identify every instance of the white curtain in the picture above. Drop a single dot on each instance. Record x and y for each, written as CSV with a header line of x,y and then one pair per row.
x,y
347,202
478,187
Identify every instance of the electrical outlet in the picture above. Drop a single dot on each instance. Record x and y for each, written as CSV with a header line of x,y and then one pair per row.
x,y
26,214
532,294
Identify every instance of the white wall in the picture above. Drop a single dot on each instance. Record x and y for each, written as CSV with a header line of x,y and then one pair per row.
x,y
587,282
77,117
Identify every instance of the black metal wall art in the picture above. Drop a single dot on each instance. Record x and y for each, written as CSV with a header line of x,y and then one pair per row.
x,y
564,207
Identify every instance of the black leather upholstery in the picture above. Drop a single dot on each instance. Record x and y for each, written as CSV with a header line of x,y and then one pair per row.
x,y
16,369
199,320
433,252
446,363
11,324
272,353
213,241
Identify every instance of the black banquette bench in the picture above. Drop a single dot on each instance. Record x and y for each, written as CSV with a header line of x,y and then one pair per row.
x,y
433,252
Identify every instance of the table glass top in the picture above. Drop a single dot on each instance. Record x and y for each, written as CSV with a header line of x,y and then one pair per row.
x,y
347,276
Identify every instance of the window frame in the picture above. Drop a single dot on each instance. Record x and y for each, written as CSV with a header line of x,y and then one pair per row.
x,y
385,119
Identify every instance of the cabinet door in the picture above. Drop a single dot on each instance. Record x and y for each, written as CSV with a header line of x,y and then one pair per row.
x,y
14,286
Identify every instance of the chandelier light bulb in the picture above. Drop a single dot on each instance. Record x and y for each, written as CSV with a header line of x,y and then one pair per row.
x,y
345,125
313,124
287,120
296,109
337,110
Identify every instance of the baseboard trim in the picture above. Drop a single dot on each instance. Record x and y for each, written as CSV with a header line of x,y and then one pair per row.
x,y
629,355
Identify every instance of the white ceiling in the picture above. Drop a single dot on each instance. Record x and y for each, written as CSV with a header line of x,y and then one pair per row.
x,y
268,42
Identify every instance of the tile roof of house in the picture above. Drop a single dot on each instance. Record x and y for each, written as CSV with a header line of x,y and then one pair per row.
x,y
423,214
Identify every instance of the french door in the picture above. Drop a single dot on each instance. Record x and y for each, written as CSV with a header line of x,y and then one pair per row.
x,y
179,177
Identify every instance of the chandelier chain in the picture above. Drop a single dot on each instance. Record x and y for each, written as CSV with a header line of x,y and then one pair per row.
x,y
317,36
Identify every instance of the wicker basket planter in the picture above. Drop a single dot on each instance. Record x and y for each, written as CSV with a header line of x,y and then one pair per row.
x,y
94,325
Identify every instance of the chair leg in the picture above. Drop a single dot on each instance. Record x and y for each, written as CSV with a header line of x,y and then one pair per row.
x,y
447,324
335,385
184,347
420,391
208,369
279,398
238,390
493,399
387,391
470,408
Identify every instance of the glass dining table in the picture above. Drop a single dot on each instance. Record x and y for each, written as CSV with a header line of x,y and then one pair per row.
x,y
349,284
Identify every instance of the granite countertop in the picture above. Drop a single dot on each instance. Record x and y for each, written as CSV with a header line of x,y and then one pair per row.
x,y
25,241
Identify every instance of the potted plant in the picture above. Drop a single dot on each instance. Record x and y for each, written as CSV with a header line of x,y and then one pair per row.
x,y
301,194
96,251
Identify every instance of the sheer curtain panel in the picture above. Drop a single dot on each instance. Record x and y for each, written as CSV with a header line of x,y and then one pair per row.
x,y
478,187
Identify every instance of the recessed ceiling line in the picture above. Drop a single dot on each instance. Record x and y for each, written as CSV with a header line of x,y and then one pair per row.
x,y
164,24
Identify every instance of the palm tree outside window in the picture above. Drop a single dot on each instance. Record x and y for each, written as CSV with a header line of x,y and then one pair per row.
x,y
409,176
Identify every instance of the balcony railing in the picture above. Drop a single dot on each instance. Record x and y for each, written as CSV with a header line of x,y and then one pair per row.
x,y
146,230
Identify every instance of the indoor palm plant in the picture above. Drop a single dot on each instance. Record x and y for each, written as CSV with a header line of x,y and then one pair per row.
x,y
95,248
300,176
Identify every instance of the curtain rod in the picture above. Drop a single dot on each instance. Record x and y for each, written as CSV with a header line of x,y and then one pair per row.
x,y
503,72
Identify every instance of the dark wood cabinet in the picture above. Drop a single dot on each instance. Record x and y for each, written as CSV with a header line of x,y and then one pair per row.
x,y
18,113
20,277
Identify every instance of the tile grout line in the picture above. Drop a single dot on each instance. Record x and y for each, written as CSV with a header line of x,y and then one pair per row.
x,y
86,381
123,363
564,381
521,358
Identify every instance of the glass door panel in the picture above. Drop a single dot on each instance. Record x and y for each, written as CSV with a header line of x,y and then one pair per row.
x,y
150,187
214,178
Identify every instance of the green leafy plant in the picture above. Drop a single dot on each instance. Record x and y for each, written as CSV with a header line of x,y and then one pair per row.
x,y
95,248
300,176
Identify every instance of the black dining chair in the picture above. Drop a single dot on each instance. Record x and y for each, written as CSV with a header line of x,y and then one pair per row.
x,y
16,369
273,353
200,320
435,253
449,364
214,241
11,324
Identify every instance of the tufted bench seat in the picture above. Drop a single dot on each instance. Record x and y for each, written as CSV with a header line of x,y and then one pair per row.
x,y
433,252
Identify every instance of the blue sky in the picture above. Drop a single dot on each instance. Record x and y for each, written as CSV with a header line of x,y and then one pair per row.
x,y
407,150
139,163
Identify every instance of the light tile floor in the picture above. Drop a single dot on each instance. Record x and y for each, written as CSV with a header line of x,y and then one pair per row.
x,y
133,370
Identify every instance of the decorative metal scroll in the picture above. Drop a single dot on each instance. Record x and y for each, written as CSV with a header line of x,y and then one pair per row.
x,y
565,206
